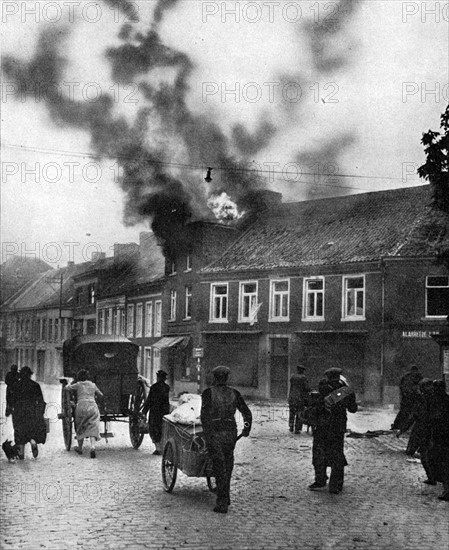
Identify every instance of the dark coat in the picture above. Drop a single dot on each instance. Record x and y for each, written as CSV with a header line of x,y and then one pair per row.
x,y
438,450
28,408
330,426
158,403
299,390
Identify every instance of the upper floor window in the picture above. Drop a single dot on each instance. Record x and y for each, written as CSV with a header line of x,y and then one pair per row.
x,y
78,296
354,297
219,302
91,293
122,321
44,329
314,299
188,303
130,321
116,323
172,305
248,301
437,296
280,298
188,262
108,321
158,318
139,320
50,330
101,321
172,266
148,318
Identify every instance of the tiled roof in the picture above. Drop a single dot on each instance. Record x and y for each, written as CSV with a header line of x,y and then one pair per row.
x,y
355,228
44,290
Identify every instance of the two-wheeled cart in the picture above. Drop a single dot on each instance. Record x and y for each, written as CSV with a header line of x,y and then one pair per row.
x,y
112,365
184,449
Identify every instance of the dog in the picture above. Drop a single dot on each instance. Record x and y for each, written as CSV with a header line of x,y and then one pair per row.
x,y
11,451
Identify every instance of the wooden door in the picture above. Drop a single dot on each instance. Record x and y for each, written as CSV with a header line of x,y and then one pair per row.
x,y
279,368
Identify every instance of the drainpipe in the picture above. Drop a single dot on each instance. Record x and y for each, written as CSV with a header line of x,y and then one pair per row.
x,y
382,345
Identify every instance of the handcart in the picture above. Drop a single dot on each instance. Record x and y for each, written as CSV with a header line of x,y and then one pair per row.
x,y
184,449
112,365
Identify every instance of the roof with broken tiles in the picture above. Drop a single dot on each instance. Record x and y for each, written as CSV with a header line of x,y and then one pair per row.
x,y
342,230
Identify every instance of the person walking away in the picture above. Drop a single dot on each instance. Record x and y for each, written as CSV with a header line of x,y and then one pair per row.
x,y
219,404
297,399
438,452
28,408
87,415
335,398
418,421
408,388
10,380
158,404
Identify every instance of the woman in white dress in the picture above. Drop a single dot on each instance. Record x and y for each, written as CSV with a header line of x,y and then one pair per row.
x,y
87,415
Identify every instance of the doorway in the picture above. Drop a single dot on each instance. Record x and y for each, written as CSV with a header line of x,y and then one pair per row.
x,y
279,352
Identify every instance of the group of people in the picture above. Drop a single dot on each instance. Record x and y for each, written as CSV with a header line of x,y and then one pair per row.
x,y
424,404
424,408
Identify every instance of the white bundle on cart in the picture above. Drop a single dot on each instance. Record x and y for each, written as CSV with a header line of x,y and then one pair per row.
x,y
188,411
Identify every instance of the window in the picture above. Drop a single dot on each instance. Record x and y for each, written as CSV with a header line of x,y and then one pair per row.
x,y
57,330
188,262
122,321
50,330
116,323
101,321
78,296
158,318
108,321
149,319
248,302
44,329
91,293
219,303
172,305
437,296
188,304
314,299
156,360
173,266
130,322
354,297
139,320
279,303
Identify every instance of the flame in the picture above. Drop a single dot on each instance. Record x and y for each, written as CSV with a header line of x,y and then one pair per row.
x,y
224,208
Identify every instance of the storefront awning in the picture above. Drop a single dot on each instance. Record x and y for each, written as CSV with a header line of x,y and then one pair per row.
x,y
170,341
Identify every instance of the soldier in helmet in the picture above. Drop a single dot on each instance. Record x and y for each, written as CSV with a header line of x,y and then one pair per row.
x,y
328,437
219,405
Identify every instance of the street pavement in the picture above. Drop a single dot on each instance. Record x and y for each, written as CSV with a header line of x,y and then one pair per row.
x,y
117,501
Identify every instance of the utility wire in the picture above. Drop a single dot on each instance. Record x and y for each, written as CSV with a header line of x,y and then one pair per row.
x,y
195,166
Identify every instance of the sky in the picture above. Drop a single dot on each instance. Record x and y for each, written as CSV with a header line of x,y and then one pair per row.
x,y
136,99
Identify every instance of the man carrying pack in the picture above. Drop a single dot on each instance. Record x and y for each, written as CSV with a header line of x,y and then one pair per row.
x,y
336,397
219,405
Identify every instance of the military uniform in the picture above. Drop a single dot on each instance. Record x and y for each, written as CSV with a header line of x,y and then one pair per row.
x,y
219,405
329,433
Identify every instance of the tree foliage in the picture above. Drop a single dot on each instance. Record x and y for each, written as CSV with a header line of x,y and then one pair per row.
x,y
436,168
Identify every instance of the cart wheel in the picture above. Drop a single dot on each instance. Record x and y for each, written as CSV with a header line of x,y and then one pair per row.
x,y
137,402
212,486
67,419
169,468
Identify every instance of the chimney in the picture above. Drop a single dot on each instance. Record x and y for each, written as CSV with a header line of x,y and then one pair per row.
x,y
96,256
125,251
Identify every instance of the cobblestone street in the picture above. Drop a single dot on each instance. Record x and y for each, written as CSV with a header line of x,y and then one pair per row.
x,y
65,501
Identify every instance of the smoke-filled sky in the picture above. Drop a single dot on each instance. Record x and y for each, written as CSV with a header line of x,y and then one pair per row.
x,y
112,111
